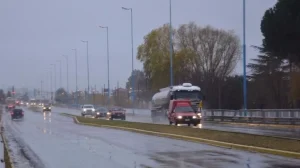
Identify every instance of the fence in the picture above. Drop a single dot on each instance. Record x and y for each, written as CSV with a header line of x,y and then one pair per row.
x,y
265,116
2,163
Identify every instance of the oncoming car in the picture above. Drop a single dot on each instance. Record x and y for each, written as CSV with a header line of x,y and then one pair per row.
x,y
47,107
87,109
116,113
101,112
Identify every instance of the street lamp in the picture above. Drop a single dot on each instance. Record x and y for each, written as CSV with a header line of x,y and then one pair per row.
x,y
132,75
244,59
67,59
76,73
54,65
107,45
60,79
87,61
171,48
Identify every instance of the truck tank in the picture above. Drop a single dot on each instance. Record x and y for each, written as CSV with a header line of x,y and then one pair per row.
x,y
160,101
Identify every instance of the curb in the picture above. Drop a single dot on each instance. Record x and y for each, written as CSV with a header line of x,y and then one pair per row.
x,y
207,141
7,149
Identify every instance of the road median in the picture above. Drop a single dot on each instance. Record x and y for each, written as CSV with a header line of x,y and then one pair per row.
x,y
7,159
256,143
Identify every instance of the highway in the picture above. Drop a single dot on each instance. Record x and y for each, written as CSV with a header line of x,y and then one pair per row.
x,y
143,115
50,141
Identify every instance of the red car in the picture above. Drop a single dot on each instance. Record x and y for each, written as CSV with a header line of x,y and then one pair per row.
x,y
116,113
181,112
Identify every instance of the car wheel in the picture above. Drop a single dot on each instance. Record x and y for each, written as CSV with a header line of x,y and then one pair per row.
x,y
176,123
170,122
195,124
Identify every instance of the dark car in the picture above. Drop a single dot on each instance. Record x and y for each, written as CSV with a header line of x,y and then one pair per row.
x,y
17,114
100,112
116,113
47,107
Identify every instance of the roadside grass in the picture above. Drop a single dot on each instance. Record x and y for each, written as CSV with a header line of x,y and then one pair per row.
x,y
282,146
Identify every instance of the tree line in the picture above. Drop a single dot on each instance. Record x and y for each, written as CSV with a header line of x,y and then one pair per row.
x,y
206,56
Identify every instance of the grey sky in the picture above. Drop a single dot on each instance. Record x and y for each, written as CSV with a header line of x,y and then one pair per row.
x,y
36,33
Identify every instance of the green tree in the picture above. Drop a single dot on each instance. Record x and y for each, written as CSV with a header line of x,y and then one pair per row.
x,y
280,27
61,96
202,56
2,96
269,75
8,94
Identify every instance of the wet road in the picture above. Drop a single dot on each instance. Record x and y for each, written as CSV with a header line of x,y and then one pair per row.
x,y
53,141
144,116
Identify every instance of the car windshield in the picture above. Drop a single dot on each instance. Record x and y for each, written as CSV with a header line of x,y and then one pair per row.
x,y
183,109
117,109
102,109
46,105
88,107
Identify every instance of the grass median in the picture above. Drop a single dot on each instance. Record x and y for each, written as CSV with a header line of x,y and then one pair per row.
x,y
258,143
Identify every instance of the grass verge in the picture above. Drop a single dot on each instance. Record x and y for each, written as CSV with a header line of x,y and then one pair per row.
x,y
258,143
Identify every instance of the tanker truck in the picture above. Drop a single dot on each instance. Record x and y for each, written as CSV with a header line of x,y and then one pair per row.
x,y
160,101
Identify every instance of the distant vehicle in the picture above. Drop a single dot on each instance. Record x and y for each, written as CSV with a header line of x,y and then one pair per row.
x,y
18,103
9,101
10,107
186,91
17,114
47,107
87,109
116,113
101,112
181,112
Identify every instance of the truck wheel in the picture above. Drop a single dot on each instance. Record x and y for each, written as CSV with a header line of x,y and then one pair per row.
x,y
170,122
176,123
195,124
82,115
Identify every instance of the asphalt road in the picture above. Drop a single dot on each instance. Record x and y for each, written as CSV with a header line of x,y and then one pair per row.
x,y
144,116
53,141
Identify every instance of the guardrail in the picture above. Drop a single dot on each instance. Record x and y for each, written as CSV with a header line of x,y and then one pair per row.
x,y
264,116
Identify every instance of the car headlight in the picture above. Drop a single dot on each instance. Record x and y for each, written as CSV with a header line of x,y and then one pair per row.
x,y
199,115
98,113
49,107
194,117
93,109
84,109
44,107
179,117
108,113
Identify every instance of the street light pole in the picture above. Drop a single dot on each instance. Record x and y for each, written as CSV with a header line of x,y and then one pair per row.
x,y
107,50
60,79
76,74
171,48
132,74
54,65
67,59
41,89
51,89
244,58
88,67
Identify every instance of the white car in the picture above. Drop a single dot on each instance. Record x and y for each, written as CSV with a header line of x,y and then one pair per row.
x,y
87,109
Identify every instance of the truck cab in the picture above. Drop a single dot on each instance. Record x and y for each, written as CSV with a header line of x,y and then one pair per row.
x,y
181,112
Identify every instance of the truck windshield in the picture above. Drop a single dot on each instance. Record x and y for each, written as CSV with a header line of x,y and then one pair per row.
x,y
188,95
183,109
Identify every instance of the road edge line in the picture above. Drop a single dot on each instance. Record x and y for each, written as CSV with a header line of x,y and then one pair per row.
x,y
207,141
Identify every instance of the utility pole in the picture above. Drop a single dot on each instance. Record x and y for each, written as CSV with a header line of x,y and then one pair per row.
x,y
41,94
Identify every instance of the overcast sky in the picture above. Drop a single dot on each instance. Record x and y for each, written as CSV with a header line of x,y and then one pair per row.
x,y
36,33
